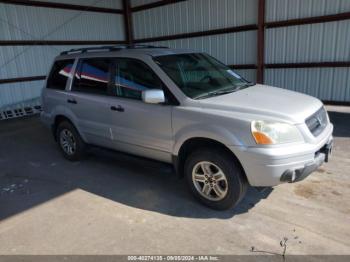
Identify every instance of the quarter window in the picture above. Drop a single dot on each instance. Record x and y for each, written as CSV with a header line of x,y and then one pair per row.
x,y
92,76
132,77
59,74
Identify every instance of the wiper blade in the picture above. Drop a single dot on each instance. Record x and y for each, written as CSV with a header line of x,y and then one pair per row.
x,y
250,84
223,92
245,86
214,93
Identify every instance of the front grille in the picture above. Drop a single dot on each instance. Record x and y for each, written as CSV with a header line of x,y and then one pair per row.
x,y
317,122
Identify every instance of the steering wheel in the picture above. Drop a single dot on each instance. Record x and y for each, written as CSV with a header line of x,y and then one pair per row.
x,y
207,77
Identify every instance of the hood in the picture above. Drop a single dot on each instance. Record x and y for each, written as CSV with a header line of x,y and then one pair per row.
x,y
266,101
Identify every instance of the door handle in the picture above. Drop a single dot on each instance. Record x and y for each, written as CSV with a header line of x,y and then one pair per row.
x,y
117,108
72,101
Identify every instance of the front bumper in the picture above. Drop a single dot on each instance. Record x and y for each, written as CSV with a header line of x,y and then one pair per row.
x,y
296,175
271,166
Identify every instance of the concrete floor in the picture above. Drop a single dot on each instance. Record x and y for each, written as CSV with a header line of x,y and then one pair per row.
x,y
116,204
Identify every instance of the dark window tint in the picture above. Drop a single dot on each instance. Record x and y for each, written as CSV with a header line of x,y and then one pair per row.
x,y
132,77
92,76
59,74
199,75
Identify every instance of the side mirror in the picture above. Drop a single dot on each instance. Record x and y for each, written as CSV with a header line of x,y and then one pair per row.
x,y
153,96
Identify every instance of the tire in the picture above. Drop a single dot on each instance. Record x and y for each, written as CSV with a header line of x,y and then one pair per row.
x,y
66,132
232,187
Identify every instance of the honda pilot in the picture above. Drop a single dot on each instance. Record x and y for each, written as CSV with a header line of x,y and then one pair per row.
x,y
183,107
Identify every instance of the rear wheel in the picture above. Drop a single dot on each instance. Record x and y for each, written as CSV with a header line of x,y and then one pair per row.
x,y
215,178
71,144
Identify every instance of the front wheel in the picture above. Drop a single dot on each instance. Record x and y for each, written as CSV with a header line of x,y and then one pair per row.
x,y
215,178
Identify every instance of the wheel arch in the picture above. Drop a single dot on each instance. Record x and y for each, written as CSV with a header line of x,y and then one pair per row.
x,y
59,119
194,143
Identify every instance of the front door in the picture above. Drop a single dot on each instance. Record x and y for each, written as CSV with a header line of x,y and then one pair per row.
x,y
140,128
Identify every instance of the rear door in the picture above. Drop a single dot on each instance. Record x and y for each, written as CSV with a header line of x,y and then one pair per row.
x,y
88,99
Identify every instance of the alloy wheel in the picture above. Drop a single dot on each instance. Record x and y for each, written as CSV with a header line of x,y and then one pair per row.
x,y
210,181
67,142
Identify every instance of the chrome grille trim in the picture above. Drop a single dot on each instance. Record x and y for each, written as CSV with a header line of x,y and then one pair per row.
x,y
317,122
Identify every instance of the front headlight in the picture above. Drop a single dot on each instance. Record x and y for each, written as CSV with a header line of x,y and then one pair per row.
x,y
269,133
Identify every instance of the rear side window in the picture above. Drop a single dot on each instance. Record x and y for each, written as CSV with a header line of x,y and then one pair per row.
x,y
59,74
92,76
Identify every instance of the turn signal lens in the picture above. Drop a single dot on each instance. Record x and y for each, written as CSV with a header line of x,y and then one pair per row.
x,y
262,139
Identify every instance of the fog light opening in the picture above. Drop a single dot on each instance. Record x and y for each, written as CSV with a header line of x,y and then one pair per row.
x,y
288,176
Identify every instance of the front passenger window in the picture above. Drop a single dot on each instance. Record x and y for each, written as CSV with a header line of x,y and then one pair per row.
x,y
132,77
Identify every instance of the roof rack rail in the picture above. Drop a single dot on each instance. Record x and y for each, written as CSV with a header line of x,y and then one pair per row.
x,y
87,49
108,48
145,46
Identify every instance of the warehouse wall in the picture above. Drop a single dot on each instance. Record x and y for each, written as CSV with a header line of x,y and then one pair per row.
x,y
324,42
194,15
38,23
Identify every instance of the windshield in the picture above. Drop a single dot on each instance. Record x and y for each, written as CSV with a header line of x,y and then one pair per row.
x,y
199,75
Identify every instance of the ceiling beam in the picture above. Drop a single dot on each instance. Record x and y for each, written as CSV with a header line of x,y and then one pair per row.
x,y
62,6
308,65
154,5
309,20
59,42
243,67
21,79
198,34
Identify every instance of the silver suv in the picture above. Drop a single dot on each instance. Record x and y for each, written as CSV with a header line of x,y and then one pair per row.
x,y
183,107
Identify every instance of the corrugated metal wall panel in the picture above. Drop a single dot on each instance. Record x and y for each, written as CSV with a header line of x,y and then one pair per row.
x,y
98,3
308,43
194,15
330,84
17,93
235,48
32,61
30,23
231,49
277,10
321,42
21,61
